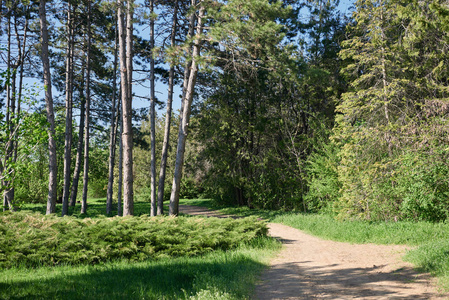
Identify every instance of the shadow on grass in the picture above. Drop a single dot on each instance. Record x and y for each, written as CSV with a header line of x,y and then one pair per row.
x,y
167,279
95,208
268,215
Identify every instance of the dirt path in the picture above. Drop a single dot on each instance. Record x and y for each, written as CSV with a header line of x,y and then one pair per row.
x,y
311,268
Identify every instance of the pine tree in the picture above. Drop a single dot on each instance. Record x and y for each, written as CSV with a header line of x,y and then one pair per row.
x,y
52,182
393,108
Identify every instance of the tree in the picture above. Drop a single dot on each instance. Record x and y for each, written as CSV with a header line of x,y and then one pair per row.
x,y
17,54
125,44
79,149
168,117
114,128
152,116
68,112
237,122
87,111
185,115
390,117
52,182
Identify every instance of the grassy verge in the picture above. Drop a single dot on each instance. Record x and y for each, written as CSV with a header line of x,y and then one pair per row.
x,y
90,256
95,207
217,275
430,254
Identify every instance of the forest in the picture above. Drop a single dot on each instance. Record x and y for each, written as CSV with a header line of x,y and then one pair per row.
x,y
292,105
326,117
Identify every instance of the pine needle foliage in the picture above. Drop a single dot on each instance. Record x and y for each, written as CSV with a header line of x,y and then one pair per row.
x,y
32,240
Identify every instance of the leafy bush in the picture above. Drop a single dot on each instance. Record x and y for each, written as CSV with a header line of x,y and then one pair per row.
x,y
422,182
324,185
189,188
32,239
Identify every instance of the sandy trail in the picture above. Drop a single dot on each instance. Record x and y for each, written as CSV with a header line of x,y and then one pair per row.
x,y
311,268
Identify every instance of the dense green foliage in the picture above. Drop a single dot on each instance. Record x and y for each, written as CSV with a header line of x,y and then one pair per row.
x,y
388,153
268,106
30,239
228,274
296,105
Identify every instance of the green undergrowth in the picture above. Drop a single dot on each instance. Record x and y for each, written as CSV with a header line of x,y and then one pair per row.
x,y
216,275
31,239
430,240
95,207
433,257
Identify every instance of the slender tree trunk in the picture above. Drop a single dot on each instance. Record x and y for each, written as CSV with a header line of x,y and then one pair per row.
x,y
53,168
152,117
162,172
120,169
387,134
7,195
23,54
125,42
113,135
185,118
16,98
87,120
188,64
68,113
79,149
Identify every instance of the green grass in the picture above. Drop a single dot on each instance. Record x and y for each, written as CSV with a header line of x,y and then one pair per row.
x,y
95,207
217,275
430,240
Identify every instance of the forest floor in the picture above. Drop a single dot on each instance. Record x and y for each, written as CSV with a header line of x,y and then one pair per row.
x,y
312,268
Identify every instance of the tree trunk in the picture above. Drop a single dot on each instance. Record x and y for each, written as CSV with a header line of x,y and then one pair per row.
x,y
125,42
7,195
87,120
53,169
120,170
68,113
22,52
79,148
387,134
162,172
152,117
113,135
185,118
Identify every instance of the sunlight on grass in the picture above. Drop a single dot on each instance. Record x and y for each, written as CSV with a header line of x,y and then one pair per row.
x,y
226,275
219,274
431,253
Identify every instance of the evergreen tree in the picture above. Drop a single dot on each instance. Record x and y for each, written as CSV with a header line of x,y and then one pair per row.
x,y
395,95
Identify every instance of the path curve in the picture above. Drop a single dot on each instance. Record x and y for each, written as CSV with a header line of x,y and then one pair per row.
x,y
311,268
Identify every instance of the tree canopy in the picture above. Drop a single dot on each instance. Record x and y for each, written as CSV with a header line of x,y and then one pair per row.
x,y
269,104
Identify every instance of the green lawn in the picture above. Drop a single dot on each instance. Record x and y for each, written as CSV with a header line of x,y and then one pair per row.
x,y
219,274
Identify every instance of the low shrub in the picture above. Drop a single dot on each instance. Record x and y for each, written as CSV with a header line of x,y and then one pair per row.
x,y
32,239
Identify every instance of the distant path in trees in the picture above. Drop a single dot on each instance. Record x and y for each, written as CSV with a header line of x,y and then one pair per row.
x,y
311,268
